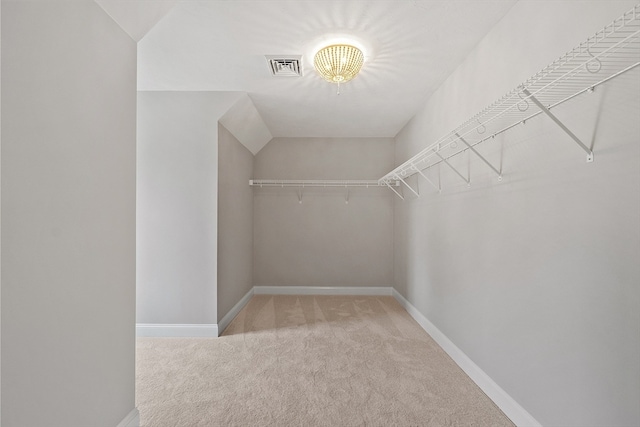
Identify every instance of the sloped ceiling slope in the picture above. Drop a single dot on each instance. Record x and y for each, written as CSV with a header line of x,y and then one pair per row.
x,y
137,17
246,124
410,49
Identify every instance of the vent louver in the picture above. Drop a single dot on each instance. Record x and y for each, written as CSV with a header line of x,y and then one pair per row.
x,y
285,66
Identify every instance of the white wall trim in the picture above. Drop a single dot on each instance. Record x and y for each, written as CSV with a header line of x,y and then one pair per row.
x,y
131,420
163,330
506,403
323,290
177,330
224,322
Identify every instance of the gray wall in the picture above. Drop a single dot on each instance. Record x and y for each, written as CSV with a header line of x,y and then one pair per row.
x,y
177,205
535,278
0,216
323,241
68,216
235,221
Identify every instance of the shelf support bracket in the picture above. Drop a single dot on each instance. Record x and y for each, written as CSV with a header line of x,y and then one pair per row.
x,y
425,177
392,189
468,181
559,123
480,156
408,186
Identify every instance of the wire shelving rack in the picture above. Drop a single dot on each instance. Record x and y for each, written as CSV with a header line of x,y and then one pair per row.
x,y
612,51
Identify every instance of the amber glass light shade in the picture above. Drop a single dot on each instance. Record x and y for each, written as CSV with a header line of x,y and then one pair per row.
x,y
338,63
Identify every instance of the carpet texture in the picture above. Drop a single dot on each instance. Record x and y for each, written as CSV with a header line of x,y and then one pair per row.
x,y
309,361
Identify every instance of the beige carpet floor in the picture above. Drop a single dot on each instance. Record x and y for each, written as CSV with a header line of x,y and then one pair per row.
x,y
309,361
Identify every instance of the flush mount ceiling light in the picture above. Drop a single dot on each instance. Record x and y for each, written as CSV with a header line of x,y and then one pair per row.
x,y
338,63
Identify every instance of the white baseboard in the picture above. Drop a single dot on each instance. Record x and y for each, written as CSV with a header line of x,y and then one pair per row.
x,y
506,403
323,290
222,324
176,330
159,330
131,420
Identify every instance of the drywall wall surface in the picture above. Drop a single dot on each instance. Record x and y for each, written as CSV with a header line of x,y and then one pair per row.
x,y
235,221
323,241
177,205
68,216
0,214
535,278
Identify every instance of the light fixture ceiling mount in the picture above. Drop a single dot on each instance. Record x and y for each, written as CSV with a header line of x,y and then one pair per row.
x,y
338,63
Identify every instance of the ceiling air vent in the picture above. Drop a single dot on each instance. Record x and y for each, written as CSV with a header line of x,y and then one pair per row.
x,y
285,66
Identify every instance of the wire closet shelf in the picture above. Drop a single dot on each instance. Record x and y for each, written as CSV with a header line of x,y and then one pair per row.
x,y
301,183
610,52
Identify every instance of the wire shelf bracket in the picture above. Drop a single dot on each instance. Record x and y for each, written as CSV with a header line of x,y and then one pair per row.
x,y
437,187
408,186
611,52
446,162
464,141
557,121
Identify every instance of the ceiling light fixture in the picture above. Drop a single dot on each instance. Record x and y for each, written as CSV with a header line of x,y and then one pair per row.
x,y
338,63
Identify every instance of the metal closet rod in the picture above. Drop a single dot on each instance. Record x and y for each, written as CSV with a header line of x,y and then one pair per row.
x,y
317,183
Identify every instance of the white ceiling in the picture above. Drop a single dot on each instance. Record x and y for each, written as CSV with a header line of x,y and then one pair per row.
x,y
410,49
